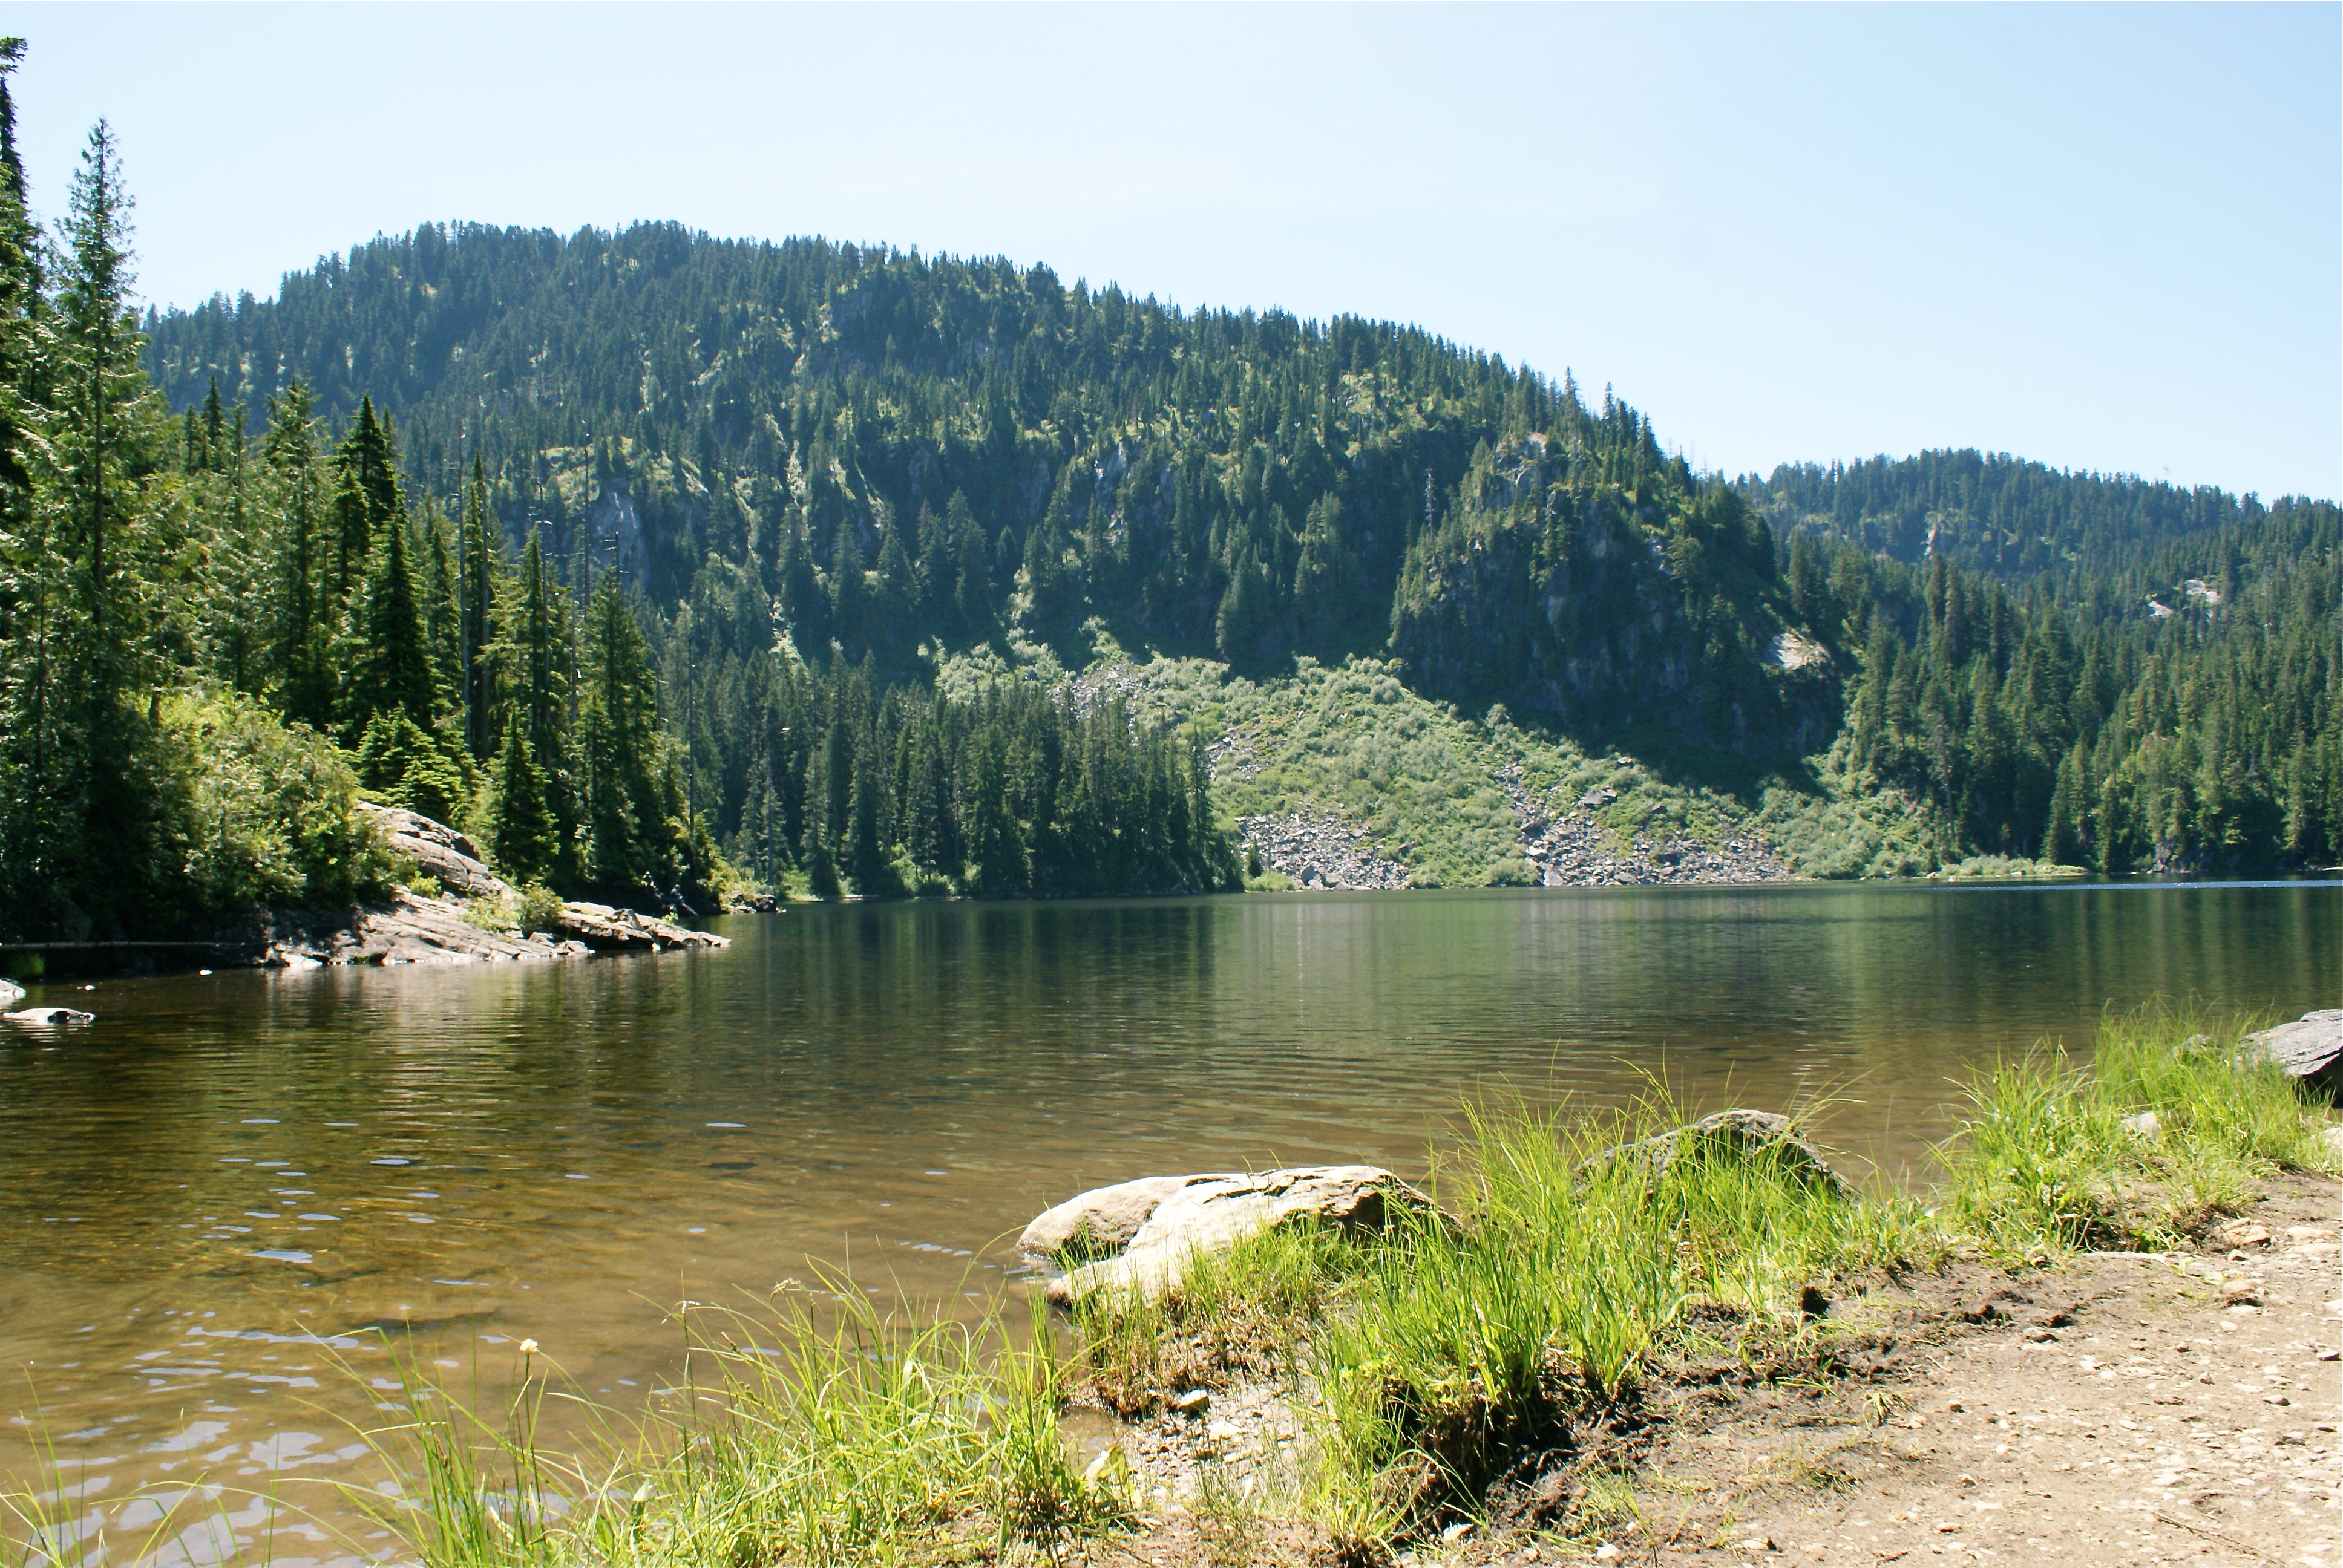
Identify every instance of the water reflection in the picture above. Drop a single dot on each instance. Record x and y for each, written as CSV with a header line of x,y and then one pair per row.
x,y
221,1198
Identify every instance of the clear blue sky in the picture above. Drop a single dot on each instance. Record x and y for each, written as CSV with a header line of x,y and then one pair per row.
x,y
2105,236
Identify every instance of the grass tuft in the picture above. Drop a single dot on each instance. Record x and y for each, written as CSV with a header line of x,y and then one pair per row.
x,y
2054,1157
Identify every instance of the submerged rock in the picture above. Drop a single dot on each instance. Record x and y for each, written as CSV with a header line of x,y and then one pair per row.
x,y
1138,1235
49,1017
2310,1047
1752,1135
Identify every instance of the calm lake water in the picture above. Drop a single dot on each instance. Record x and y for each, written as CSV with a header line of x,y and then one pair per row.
x,y
229,1168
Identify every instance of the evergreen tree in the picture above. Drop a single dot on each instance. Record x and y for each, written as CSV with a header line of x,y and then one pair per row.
x,y
476,591
849,591
627,832
391,670
526,840
303,617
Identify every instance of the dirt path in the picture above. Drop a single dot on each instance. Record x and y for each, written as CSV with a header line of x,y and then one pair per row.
x,y
2118,1409
2175,1418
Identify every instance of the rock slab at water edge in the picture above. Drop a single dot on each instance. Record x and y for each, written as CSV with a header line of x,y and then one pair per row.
x,y
412,930
1149,1229
11,993
1751,1135
48,1017
2307,1048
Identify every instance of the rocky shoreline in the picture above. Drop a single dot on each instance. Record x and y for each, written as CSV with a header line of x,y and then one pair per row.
x,y
458,924
472,916
411,928
1320,854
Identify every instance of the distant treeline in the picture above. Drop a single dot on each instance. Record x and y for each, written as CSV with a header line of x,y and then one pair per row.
x,y
2201,728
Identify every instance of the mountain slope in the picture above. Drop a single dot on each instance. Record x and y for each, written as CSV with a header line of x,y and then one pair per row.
x,y
804,458
1245,485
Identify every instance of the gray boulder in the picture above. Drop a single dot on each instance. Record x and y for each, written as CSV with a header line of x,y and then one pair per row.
x,y
48,1017
2310,1047
439,850
11,993
1753,1135
1139,1236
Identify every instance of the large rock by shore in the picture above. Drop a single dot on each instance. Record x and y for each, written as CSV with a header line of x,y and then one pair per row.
x,y
448,856
1137,1236
410,928
1755,1136
2311,1047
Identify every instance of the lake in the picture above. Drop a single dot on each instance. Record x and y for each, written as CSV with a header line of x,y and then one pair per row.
x,y
229,1168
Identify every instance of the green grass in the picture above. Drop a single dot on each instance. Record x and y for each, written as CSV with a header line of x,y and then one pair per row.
x,y
2046,1162
1243,1316
1545,1303
854,1441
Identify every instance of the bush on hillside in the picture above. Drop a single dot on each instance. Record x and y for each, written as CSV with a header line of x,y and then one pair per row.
x,y
266,815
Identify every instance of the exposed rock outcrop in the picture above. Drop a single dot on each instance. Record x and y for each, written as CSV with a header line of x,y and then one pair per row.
x,y
1319,853
443,853
606,930
1138,1235
1752,1135
2310,1047
11,993
1599,608
410,928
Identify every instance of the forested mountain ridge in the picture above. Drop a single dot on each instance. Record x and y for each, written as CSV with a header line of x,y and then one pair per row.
x,y
1247,485
1243,484
654,560
896,452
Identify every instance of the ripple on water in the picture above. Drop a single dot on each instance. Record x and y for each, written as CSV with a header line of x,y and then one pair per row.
x,y
1019,1052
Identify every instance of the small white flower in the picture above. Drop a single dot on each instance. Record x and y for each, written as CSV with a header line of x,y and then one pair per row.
x,y
528,1347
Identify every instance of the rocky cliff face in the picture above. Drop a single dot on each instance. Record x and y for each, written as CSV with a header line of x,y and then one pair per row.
x,y
1588,604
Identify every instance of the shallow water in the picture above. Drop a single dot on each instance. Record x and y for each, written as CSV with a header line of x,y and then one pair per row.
x,y
216,1194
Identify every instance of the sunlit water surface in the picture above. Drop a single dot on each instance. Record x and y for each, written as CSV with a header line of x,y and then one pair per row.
x,y
215,1196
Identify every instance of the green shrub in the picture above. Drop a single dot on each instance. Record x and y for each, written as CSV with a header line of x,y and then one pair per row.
x,y
270,812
